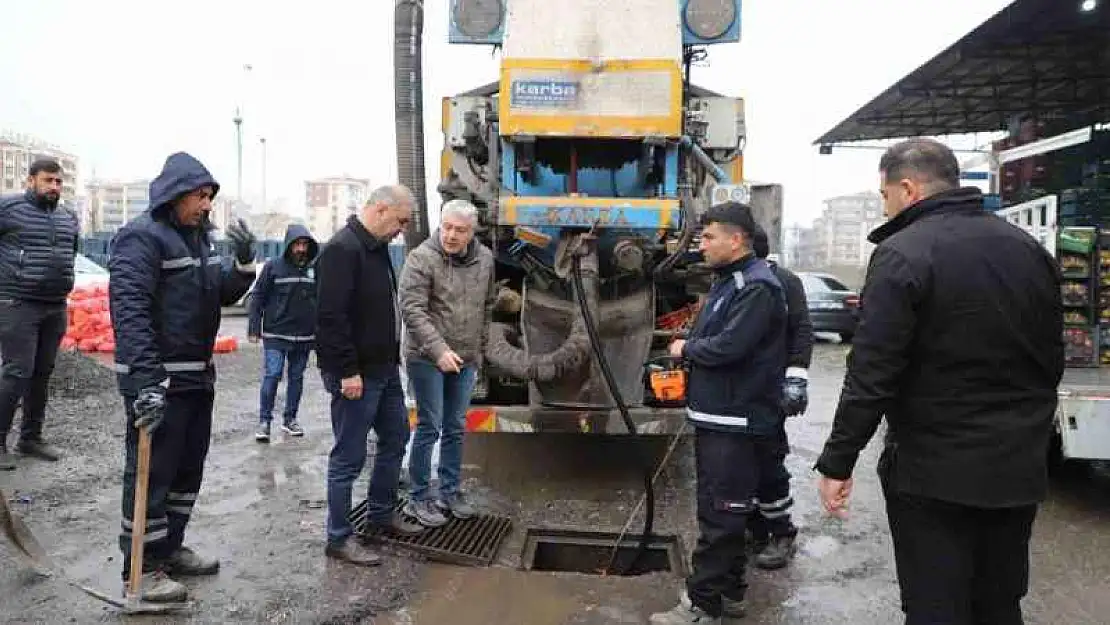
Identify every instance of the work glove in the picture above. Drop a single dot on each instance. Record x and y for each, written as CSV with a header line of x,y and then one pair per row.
x,y
243,241
150,408
795,396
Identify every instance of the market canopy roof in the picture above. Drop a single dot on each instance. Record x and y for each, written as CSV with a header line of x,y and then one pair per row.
x,y
1047,58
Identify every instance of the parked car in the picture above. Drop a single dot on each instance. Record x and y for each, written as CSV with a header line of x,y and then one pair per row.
x,y
833,307
88,273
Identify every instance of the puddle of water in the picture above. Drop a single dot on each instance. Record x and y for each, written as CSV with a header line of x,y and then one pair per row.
x,y
232,505
820,546
488,595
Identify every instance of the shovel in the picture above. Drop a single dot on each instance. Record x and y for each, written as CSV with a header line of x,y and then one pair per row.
x,y
31,550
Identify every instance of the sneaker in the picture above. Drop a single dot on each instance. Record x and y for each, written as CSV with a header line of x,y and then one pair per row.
x,y
7,459
353,553
733,608
262,434
777,554
187,562
685,613
292,428
458,505
157,587
426,513
398,524
39,450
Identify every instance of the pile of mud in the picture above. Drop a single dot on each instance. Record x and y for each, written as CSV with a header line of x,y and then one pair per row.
x,y
77,375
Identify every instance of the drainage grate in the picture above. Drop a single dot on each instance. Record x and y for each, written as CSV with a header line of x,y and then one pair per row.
x,y
469,542
575,551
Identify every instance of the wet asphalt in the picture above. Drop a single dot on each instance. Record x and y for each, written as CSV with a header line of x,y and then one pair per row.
x,y
261,510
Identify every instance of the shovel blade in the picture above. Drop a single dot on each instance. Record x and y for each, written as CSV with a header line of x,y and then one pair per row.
x,y
146,607
20,535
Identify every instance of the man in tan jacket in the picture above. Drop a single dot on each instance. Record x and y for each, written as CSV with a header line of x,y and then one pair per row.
x,y
447,296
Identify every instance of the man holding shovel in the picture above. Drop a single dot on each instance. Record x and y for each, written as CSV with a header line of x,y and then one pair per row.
x,y
166,289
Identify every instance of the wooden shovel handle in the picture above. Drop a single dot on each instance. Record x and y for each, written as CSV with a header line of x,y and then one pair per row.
x,y
138,514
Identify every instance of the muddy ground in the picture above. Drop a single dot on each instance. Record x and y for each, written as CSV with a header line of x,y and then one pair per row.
x,y
261,509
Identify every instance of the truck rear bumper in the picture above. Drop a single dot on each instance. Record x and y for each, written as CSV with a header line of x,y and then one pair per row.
x,y
528,419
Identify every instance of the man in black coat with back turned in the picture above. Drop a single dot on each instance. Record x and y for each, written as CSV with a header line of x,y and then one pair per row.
x,y
960,347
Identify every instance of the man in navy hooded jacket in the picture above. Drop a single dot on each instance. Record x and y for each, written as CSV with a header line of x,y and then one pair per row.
x,y
166,289
283,314
736,352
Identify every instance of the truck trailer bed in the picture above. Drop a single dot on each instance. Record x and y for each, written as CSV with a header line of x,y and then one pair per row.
x,y
1083,414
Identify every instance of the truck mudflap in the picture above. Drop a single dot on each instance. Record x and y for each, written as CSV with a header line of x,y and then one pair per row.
x,y
526,419
1083,422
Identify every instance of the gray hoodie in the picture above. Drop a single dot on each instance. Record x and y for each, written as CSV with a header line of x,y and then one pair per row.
x,y
447,301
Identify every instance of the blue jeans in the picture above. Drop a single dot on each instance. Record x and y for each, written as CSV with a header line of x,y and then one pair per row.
x,y
381,407
275,359
441,403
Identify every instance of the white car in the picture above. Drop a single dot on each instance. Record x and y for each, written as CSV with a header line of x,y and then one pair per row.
x,y
87,273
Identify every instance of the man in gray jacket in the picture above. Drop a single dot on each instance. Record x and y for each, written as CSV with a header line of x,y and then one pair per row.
x,y
38,241
447,296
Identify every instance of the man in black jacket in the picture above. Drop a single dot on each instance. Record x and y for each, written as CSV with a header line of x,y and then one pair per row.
x,y
283,315
38,240
960,347
736,352
773,531
358,334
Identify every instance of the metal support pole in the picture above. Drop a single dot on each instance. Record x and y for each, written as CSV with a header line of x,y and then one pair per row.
x,y
238,119
263,142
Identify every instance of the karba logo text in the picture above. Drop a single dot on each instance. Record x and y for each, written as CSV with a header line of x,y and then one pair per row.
x,y
544,92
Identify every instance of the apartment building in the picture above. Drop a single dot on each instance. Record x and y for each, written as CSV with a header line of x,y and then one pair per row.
x,y
839,236
18,151
329,201
112,203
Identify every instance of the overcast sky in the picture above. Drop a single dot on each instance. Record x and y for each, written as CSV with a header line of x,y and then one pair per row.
x,y
123,83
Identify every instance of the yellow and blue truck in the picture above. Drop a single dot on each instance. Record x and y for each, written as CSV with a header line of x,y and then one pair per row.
x,y
590,158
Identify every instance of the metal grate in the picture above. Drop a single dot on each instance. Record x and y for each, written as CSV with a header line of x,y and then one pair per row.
x,y
469,542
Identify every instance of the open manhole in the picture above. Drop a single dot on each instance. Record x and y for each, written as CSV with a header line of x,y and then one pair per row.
x,y
592,553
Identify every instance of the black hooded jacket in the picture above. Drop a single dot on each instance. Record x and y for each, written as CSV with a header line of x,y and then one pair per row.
x,y
283,307
960,347
166,288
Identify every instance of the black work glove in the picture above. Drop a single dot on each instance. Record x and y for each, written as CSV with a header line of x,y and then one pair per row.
x,y
150,408
795,396
243,240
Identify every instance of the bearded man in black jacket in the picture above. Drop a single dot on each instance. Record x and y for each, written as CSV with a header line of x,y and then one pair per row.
x,y
960,348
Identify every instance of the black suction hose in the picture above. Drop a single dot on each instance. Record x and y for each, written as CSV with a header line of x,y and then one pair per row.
x,y
408,106
622,407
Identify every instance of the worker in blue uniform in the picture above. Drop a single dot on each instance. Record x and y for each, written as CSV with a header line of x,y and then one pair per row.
x,y
736,352
166,288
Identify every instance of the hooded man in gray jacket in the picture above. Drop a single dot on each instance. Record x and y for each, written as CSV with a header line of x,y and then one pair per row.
x,y
447,296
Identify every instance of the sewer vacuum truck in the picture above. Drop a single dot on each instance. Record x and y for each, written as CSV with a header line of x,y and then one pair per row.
x,y
590,160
